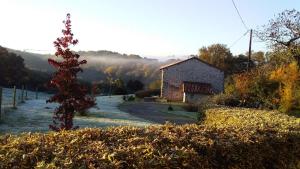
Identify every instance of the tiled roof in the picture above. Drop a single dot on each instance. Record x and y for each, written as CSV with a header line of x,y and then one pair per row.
x,y
182,61
197,88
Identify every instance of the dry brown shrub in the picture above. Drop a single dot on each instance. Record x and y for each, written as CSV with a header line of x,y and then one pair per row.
x,y
166,146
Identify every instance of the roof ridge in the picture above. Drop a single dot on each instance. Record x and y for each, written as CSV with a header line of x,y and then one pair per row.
x,y
194,57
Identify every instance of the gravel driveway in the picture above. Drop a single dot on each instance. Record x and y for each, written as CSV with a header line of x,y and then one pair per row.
x,y
158,112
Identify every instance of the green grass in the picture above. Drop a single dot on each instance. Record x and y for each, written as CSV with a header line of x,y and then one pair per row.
x,y
178,110
182,113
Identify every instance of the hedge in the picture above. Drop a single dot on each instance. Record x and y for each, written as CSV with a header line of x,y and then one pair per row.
x,y
147,93
250,119
165,146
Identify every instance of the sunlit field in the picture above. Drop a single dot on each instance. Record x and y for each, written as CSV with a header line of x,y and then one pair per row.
x,y
158,84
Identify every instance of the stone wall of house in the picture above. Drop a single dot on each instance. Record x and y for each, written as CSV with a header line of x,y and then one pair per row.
x,y
192,98
191,70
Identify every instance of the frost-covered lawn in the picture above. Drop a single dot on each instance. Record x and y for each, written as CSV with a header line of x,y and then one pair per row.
x,y
7,96
36,115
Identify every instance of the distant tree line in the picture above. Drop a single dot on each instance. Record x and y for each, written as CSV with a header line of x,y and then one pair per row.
x,y
117,87
220,56
13,72
138,76
102,64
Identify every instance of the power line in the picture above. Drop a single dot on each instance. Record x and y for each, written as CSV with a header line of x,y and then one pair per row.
x,y
236,41
239,15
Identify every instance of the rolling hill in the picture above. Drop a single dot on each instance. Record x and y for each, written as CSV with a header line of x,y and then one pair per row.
x,y
102,63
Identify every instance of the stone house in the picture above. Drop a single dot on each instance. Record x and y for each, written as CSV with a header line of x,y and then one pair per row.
x,y
190,79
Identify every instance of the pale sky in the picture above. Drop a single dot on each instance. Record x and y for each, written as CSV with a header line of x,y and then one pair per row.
x,y
151,28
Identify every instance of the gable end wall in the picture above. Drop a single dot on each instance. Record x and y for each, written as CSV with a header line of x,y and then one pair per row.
x,y
192,70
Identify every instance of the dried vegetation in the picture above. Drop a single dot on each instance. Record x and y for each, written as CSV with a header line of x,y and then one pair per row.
x,y
240,138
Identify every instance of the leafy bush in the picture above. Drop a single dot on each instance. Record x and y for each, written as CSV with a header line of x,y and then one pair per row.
x,y
170,108
131,98
82,113
229,87
255,88
225,99
269,87
288,77
250,119
165,146
128,98
204,104
147,93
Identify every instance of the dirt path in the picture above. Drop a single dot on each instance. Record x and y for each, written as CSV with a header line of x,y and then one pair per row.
x,y
157,113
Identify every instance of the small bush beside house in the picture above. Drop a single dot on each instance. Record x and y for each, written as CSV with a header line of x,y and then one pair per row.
x,y
191,107
147,93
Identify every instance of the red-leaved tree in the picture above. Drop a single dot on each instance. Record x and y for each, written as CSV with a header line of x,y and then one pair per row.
x,y
71,96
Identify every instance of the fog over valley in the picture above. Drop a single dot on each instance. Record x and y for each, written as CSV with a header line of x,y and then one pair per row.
x,y
101,64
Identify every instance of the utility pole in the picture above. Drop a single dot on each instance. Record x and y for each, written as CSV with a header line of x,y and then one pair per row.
x,y
249,53
0,101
